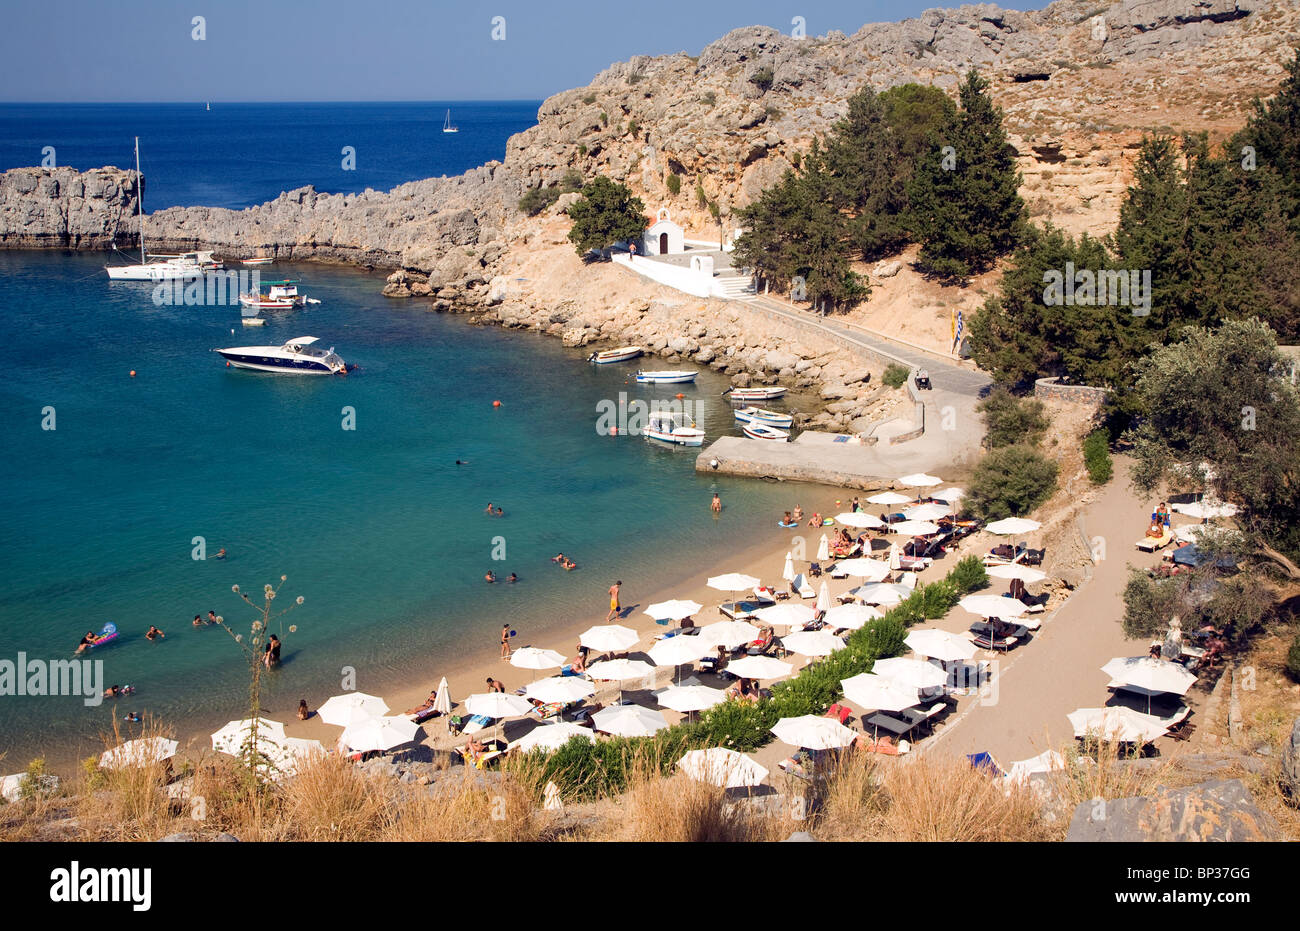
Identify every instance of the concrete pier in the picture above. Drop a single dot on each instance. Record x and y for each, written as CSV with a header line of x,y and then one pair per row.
x,y
824,458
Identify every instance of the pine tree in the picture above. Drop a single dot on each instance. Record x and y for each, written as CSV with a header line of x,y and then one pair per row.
x,y
964,202
606,214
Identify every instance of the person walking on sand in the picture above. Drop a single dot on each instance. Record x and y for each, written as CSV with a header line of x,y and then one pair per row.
x,y
614,608
505,640
716,505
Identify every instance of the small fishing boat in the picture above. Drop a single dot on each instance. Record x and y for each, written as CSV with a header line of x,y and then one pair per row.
x,y
758,431
621,354
253,321
666,378
765,417
283,295
296,357
765,393
673,428
257,261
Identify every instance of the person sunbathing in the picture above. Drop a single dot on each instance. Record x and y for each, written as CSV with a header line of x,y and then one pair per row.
x,y
1156,529
579,663
815,520
474,749
797,513
428,703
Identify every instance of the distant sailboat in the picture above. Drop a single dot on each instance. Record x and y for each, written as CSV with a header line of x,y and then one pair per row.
x,y
209,106
446,125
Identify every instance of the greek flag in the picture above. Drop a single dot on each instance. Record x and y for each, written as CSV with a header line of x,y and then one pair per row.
x,y
956,339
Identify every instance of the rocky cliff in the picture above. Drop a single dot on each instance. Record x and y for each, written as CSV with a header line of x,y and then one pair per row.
x,y
1080,83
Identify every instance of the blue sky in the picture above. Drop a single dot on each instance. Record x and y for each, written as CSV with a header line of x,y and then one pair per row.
x,y
143,50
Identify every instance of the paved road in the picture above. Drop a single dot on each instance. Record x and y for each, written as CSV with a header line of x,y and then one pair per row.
x,y
945,376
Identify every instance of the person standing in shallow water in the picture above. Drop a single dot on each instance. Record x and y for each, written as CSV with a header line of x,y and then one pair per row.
x,y
505,640
716,505
614,607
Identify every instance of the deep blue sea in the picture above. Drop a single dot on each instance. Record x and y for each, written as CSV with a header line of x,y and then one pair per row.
x,y
240,154
377,527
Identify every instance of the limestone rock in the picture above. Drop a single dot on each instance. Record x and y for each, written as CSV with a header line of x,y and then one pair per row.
x,y
1218,810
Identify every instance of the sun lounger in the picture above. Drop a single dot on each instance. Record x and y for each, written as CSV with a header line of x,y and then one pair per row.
x,y
425,714
476,723
1152,544
887,722
800,585
985,642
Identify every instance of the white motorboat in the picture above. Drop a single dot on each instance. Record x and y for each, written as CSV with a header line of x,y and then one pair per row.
x,y
159,267
763,416
446,125
282,295
673,428
666,378
258,260
621,354
758,431
297,357
764,393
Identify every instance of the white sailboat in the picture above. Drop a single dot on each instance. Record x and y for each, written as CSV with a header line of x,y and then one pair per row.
x,y
184,266
446,124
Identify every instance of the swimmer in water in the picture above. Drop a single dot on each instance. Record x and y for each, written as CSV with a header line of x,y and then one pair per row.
x,y
499,511
87,641
461,462
558,557
490,577
198,620
513,578
154,633
221,553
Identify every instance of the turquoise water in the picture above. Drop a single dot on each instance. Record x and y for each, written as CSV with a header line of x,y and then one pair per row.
x,y
377,528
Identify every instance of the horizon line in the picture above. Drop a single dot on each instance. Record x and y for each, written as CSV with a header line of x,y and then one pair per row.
x,y
70,103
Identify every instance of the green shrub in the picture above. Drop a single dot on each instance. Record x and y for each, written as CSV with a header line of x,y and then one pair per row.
x,y
571,182
713,209
895,375
604,118
1293,659
582,149
538,199
633,128
700,197
762,79
709,98
635,77
1096,456
1011,482
969,574
773,113
1011,421
589,99
674,184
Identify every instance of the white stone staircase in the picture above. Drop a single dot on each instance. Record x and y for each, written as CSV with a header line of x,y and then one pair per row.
x,y
733,287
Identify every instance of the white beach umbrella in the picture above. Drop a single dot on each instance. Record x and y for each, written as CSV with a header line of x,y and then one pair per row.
x,y
851,616
1015,570
873,570
950,495
729,634
787,613
365,733
685,698
629,721
1020,771
914,528
824,549
824,598
442,704
673,610
679,650
812,643
759,667
721,767
562,689
787,571
927,511
859,519
232,736
1010,526
939,644
1150,674
497,705
338,709
813,732
298,750
733,582
620,670
889,497
910,673
920,480
881,593
139,752
552,736
533,658
609,638
877,693
1116,723
993,606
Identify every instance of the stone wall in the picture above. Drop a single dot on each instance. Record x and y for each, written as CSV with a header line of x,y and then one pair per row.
x,y
1051,389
